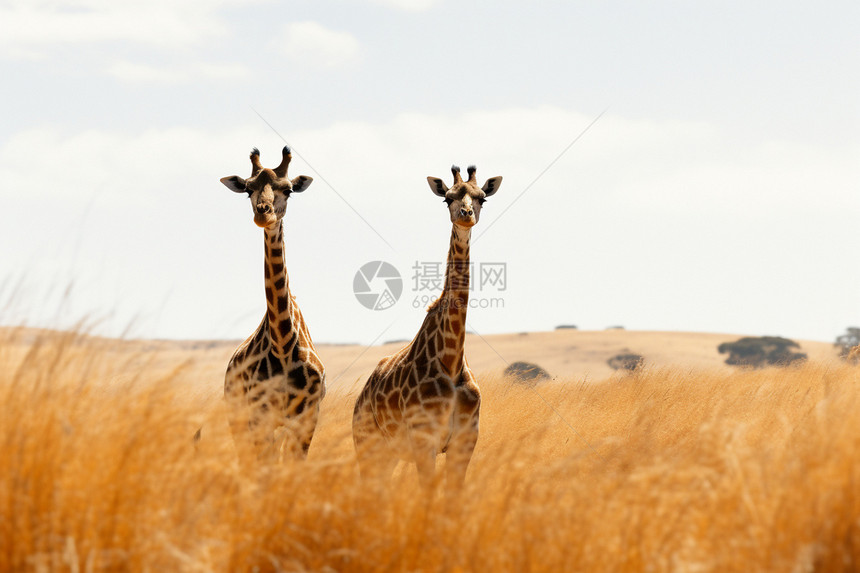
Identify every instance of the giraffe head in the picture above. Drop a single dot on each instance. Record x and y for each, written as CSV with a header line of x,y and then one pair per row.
x,y
464,198
268,189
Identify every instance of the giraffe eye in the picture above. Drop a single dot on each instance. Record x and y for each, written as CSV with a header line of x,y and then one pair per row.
x,y
449,200
482,200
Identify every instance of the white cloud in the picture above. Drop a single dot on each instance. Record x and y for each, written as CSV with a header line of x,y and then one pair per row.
x,y
313,45
33,28
142,73
141,165
132,72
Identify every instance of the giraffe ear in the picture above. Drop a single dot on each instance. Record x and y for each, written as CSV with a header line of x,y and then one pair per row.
x,y
235,184
491,186
301,183
437,186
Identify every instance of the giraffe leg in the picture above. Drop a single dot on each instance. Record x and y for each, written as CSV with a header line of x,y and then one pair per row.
x,y
263,425
252,424
464,436
376,460
308,434
291,446
265,445
240,428
425,462
458,456
422,442
293,438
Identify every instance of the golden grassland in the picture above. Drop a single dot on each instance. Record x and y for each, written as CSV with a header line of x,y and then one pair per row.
x,y
671,469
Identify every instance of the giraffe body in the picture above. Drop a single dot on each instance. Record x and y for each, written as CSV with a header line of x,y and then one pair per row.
x,y
275,380
424,400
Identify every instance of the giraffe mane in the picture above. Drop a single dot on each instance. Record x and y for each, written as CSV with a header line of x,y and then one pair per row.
x,y
435,306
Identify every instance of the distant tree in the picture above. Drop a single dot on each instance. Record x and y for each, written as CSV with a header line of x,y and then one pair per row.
x,y
566,327
761,351
617,327
526,372
845,342
626,361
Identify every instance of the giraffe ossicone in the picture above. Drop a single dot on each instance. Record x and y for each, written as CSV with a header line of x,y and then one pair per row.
x,y
275,380
424,400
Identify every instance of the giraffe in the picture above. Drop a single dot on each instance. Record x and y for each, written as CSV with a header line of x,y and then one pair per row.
x,y
424,400
275,380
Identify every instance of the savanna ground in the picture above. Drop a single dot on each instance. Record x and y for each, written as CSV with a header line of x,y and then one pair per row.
x,y
685,466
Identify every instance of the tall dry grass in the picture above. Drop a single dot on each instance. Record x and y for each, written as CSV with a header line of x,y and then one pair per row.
x,y
667,470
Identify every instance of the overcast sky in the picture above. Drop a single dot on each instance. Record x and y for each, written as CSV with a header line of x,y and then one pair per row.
x,y
687,166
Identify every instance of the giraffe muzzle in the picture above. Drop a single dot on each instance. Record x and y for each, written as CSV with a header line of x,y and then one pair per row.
x,y
264,215
466,218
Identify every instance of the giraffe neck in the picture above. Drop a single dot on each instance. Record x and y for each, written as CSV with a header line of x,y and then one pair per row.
x,y
454,301
456,290
279,304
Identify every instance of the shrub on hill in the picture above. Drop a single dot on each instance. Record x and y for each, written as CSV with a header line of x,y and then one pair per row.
x,y
566,327
845,342
761,351
526,372
626,361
